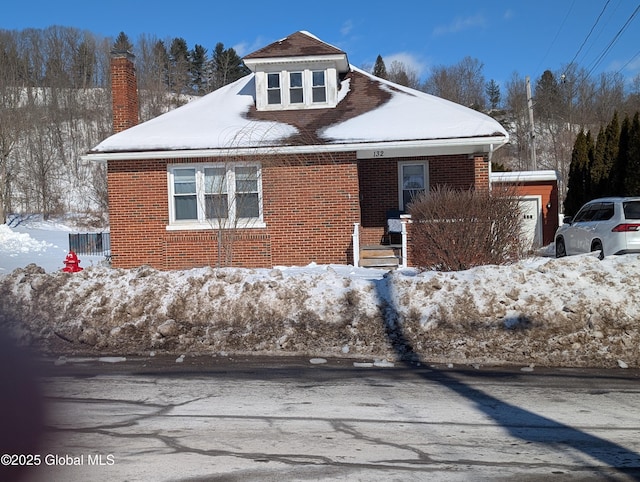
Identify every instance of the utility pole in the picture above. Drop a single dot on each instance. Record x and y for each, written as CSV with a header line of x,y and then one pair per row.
x,y
532,132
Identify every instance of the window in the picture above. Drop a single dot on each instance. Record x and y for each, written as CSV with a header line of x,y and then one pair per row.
x,y
604,213
247,194
273,89
216,199
296,89
413,181
318,88
184,188
631,209
217,195
296,92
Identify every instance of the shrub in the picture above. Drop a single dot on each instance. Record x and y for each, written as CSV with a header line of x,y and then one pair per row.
x,y
455,230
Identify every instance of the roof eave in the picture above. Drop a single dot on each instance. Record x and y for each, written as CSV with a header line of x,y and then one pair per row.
x,y
364,150
341,61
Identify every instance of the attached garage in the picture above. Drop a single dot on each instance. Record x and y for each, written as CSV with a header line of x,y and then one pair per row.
x,y
539,201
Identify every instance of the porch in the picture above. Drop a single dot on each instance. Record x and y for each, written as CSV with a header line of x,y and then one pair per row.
x,y
390,253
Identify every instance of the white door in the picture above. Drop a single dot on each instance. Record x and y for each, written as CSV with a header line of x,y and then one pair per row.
x,y
531,212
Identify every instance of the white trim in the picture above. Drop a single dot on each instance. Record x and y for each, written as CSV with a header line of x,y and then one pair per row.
x,y
284,73
364,150
401,165
202,222
524,176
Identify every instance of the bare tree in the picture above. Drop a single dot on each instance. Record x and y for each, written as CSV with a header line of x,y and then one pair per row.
x,y
402,74
462,83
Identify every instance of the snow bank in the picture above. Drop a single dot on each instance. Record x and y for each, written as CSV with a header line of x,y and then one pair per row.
x,y
576,311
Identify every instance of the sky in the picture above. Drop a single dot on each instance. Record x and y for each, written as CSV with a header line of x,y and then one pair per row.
x,y
523,37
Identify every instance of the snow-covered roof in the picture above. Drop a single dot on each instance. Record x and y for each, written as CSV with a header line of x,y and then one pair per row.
x,y
524,176
371,112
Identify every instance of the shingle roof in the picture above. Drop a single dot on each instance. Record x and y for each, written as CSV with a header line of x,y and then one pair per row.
x,y
298,44
369,110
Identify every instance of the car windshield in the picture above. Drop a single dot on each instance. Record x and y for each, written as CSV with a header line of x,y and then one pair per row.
x,y
631,209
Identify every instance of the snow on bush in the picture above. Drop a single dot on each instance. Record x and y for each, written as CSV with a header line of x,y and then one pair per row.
x,y
575,311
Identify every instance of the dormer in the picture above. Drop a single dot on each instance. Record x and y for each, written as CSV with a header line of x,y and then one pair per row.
x,y
297,72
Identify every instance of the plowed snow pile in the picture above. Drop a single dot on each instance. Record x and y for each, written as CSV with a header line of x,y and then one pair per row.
x,y
575,311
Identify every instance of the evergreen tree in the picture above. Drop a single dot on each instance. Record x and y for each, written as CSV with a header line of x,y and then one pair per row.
x,y
578,184
379,69
83,64
198,66
631,185
602,172
598,171
492,90
161,61
547,96
226,66
619,169
178,66
122,43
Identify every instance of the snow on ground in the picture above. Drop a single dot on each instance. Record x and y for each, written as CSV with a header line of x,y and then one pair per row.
x,y
576,311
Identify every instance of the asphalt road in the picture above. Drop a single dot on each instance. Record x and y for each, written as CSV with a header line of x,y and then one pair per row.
x,y
257,419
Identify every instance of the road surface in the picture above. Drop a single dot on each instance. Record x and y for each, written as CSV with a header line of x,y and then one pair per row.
x,y
255,419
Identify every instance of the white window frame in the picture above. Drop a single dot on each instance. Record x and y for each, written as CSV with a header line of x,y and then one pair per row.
x,y
401,166
315,87
201,222
301,87
262,88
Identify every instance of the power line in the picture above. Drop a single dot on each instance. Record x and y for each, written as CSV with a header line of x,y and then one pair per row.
x,y
614,40
556,37
588,35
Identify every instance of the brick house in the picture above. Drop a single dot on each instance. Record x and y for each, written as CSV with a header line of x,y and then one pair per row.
x,y
292,164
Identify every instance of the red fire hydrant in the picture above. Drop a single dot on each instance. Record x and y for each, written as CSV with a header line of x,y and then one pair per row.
x,y
71,263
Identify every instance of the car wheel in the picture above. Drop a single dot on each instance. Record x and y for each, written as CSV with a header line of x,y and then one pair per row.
x,y
561,251
597,246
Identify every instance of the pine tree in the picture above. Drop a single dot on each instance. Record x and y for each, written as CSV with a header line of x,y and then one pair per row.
x,y
226,66
632,177
161,61
198,65
379,69
492,90
122,43
619,169
547,96
178,66
605,156
578,185
598,173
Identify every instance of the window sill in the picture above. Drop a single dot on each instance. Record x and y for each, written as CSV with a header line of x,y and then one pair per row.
x,y
196,226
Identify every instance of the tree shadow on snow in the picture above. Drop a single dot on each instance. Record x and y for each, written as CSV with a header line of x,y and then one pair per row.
x,y
518,422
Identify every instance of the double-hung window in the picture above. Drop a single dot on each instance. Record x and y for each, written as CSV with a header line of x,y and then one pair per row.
x,y
296,89
218,195
273,89
318,87
185,201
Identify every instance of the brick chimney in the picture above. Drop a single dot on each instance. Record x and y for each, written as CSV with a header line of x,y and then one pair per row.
x,y
124,90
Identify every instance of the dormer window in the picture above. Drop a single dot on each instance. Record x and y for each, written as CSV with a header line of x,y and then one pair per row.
x,y
319,88
297,72
296,89
273,89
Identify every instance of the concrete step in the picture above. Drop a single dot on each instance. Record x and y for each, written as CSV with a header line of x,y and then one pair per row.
x,y
379,256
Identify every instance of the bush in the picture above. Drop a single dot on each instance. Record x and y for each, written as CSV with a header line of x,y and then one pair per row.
x,y
456,230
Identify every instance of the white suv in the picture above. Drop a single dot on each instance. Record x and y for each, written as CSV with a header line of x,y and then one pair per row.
x,y
608,225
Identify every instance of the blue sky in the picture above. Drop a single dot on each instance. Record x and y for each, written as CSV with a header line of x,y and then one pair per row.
x,y
506,36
